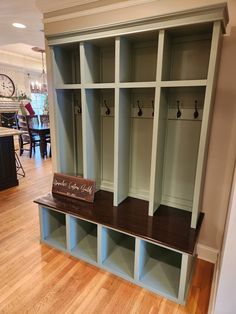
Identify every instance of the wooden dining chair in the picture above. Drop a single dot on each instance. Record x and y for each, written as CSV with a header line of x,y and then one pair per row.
x,y
33,119
44,119
28,138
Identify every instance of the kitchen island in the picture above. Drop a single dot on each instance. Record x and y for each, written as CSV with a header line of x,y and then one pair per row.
x,y
8,175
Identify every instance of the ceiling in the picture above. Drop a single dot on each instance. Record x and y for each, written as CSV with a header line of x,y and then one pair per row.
x,y
20,41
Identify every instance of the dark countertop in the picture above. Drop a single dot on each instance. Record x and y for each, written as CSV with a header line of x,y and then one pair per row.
x,y
169,226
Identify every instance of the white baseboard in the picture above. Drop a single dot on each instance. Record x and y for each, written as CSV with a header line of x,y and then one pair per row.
x,y
207,253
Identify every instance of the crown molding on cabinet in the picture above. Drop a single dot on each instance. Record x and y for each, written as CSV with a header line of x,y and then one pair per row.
x,y
75,11
217,12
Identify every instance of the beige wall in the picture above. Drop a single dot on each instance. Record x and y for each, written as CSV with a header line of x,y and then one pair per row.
x,y
222,147
225,297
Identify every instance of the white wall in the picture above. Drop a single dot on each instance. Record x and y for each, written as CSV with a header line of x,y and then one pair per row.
x,y
20,69
226,295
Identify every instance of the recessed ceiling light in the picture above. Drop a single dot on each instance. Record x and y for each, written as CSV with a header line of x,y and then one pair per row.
x,y
18,25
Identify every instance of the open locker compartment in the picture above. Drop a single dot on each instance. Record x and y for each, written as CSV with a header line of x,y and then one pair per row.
x,y
118,252
69,132
187,52
160,269
138,57
180,121
99,137
99,61
67,64
83,239
53,227
135,124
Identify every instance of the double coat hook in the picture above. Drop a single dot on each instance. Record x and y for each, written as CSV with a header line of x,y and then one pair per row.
x,y
196,114
108,111
178,114
78,105
140,112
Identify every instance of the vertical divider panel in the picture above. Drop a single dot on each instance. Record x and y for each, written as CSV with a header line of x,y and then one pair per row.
x,y
99,245
158,138
51,74
69,237
166,58
41,222
116,122
74,133
122,145
104,249
208,107
78,134
122,134
117,60
90,124
140,257
183,277
124,60
84,134
83,106
92,135
82,63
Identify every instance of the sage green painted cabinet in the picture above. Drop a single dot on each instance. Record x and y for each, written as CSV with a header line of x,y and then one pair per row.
x,y
131,106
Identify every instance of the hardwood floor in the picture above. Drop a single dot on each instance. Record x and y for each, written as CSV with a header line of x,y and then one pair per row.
x,y
37,279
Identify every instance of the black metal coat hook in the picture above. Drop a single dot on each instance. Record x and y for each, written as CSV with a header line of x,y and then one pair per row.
x,y
153,108
79,107
140,112
178,114
196,114
108,111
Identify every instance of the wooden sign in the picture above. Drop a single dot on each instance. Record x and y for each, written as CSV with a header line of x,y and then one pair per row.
x,y
75,187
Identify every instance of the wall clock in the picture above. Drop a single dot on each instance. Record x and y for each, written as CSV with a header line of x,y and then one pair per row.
x,y
7,87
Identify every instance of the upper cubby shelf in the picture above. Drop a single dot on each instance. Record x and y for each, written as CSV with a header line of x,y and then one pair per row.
x,y
67,64
99,61
187,53
138,57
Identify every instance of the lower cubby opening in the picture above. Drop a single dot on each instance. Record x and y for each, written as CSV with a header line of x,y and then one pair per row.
x,y
118,252
160,269
54,228
83,239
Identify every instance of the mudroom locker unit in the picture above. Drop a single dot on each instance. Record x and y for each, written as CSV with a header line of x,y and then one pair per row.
x,y
132,106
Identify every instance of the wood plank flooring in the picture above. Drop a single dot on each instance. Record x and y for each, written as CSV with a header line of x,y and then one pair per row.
x,y
37,279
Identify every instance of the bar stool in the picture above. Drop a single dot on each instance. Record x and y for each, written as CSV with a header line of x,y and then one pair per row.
x,y
19,168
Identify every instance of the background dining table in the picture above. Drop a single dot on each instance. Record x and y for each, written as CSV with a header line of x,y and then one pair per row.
x,y
43,130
